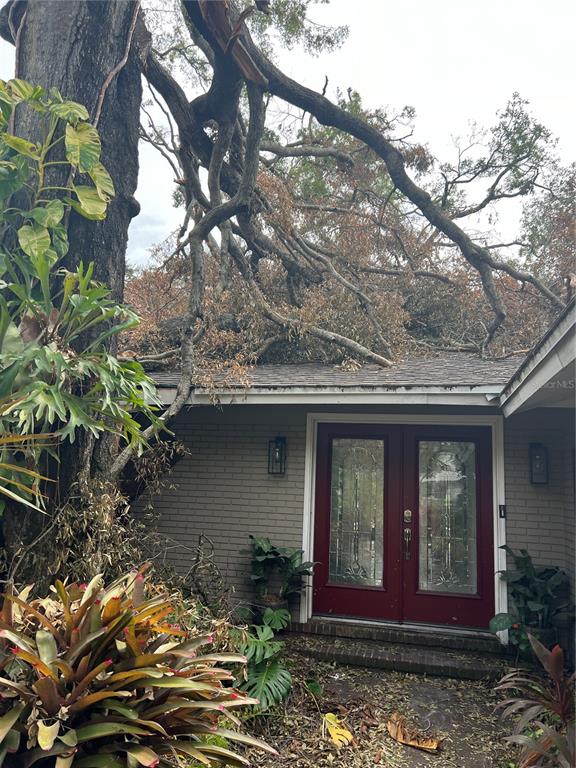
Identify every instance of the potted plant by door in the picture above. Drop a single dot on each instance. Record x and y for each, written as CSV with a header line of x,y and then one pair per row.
x,y
538,595
277,574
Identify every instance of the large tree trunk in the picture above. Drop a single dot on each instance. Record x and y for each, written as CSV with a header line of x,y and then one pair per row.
x,y
76,46
83,48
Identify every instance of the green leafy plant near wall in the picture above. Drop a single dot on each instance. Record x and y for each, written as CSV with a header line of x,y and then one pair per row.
x,y
56,373
286,564
538,594
267,678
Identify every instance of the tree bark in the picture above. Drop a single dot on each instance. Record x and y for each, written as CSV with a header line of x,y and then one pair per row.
x,y
74,46
83,48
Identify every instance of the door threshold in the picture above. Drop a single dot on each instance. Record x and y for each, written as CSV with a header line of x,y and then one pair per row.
x,y
404,626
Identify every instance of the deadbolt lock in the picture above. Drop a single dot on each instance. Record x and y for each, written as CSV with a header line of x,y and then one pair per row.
x,y
407,515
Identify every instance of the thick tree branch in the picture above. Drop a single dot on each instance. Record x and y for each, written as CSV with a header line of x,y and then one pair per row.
x,y
327,113
305,150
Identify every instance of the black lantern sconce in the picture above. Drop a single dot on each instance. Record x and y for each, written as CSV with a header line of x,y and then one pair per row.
x,y
538,464
277,456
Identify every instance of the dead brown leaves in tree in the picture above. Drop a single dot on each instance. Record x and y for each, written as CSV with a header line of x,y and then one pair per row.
x,y
404,733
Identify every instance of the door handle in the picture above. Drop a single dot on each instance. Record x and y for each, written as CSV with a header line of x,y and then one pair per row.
x,y
407,540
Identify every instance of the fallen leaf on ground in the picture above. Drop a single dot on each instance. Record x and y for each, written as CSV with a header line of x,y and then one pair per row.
x,y
400,731
339,734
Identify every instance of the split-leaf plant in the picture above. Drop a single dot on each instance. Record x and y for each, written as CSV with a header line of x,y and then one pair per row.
x,y
267,678
544,710
56,369
95,677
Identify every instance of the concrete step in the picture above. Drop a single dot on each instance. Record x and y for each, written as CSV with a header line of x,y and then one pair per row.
x,y
428,637
402,657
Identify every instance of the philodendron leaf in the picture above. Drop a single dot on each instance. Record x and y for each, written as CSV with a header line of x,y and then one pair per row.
x,y
60,240
82,146
22,146
70,111
10,179
22,90
49,215
90,204
34,239
103,181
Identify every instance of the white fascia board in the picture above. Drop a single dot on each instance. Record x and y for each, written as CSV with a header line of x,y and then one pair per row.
x,y
557,354
461,396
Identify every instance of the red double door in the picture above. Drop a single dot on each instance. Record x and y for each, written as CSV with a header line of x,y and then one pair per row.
x,y
403,524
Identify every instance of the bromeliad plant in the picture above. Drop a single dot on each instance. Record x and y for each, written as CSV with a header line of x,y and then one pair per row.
x,y
545,708
95,677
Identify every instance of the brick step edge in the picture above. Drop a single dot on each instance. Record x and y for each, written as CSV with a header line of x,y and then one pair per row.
x,y
412,660
426,639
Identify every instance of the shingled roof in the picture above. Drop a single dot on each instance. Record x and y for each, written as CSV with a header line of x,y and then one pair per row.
x,y
447,371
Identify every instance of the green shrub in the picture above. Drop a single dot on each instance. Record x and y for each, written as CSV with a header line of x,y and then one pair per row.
x,y
267,678
538,594
286,563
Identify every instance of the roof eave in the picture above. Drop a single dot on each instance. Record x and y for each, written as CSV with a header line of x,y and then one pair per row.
x,y
453,396
555,352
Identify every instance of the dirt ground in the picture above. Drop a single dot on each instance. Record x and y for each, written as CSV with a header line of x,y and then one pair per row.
x,y
459,711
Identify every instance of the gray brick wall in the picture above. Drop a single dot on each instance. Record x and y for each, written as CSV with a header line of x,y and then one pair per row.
x,y
541,517
223,489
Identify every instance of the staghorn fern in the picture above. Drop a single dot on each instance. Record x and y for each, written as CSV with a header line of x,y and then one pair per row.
x,y
99,678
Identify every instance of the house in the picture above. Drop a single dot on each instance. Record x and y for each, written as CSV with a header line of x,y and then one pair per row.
x,y
402,483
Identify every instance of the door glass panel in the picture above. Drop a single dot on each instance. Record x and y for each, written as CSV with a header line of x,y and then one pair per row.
x,y
357,512
447,501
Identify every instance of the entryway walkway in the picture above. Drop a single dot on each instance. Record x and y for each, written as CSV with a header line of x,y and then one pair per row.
x,y
364,698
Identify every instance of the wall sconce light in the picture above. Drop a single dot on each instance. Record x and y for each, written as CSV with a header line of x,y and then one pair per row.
x,y
277,456
538,464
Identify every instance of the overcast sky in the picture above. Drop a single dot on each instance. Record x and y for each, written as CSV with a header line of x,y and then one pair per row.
x,y
454,61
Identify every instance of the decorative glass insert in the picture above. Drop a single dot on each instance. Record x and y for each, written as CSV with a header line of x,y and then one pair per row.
x,y
447,505
357,512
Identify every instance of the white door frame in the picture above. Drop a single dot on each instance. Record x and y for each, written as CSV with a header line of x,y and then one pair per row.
x,y
498,490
